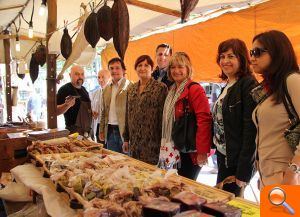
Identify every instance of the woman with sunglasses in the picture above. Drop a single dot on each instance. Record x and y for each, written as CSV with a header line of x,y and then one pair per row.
x,y
273,57
234,131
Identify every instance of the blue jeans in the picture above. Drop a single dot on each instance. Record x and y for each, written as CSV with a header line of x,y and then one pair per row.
x,y
114,141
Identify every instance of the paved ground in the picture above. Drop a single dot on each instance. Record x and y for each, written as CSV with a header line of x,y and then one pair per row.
x,y
208,176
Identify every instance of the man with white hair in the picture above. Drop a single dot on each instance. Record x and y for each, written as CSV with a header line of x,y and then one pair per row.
x,y
96,98
74,102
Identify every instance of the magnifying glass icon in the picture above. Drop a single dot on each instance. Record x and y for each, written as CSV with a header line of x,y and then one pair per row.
x,y
277,197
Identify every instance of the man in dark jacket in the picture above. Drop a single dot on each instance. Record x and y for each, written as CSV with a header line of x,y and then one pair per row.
x,y
74,102
163,54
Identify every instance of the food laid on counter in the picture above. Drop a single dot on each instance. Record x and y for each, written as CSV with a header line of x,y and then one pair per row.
x,y
161,208
62,145
98,175
220,209
47,134
189,200
115,185
192,213
5,179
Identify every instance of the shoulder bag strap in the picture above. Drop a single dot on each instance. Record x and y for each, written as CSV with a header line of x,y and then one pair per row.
x,y
289,107
191,84
186,100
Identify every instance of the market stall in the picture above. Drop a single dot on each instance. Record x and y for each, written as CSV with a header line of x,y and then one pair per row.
x,y
15,140
96,182
73,176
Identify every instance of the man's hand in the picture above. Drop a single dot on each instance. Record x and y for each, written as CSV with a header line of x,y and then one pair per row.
x,y
70,101
101,136
125,147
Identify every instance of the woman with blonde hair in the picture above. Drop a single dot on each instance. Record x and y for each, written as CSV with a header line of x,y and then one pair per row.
x,y
187,95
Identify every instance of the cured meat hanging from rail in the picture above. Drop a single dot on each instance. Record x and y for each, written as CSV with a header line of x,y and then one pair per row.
x,y
80,44
33,69
66,44
91,29
120,19
105,22
18,66
40,54
186,8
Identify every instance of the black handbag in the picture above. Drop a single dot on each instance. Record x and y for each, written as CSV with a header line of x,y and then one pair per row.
x,y
185,128
292,134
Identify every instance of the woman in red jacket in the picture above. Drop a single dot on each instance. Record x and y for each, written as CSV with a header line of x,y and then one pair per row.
x,y
188,164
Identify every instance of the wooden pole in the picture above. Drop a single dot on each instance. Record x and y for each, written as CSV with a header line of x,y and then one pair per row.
x,y
51,67
153,7
11,7
6,43
21,37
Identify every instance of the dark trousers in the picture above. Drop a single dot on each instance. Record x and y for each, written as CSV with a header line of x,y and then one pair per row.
x,y
114,141
188,169
224,172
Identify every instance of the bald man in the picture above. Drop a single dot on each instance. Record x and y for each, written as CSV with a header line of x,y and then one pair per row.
x,y
74,102
96,98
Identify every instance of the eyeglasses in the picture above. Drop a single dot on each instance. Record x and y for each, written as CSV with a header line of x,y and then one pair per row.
x,y
257,52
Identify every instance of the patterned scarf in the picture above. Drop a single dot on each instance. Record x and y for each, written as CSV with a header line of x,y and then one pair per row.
x,y
260,93
169,110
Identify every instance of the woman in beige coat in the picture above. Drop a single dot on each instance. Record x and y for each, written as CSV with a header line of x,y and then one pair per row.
x,y
273,57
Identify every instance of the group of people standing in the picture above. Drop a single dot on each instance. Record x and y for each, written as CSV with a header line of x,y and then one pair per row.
x,y
246,125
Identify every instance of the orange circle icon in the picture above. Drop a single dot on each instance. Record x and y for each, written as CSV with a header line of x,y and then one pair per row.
x,y
277,196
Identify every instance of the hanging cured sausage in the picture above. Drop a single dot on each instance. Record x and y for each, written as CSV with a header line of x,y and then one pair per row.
x,y
120,18
40,54
186,8
20,75
33,69
66,44
105,22
91,29
80,44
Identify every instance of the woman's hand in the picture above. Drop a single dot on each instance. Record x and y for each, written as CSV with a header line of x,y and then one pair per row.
x,y
95,114
125,147
201,159
101,136
240,183
290,178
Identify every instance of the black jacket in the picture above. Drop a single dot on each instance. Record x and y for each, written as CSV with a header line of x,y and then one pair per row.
x,y
240,131
165,79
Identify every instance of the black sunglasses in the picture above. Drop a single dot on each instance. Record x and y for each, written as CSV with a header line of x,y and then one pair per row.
x,y
256,52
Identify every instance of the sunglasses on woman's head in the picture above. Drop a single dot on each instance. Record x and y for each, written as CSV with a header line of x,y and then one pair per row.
x,y
257,52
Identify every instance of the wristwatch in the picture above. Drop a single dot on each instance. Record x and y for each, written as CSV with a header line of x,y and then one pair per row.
x,y
294,167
